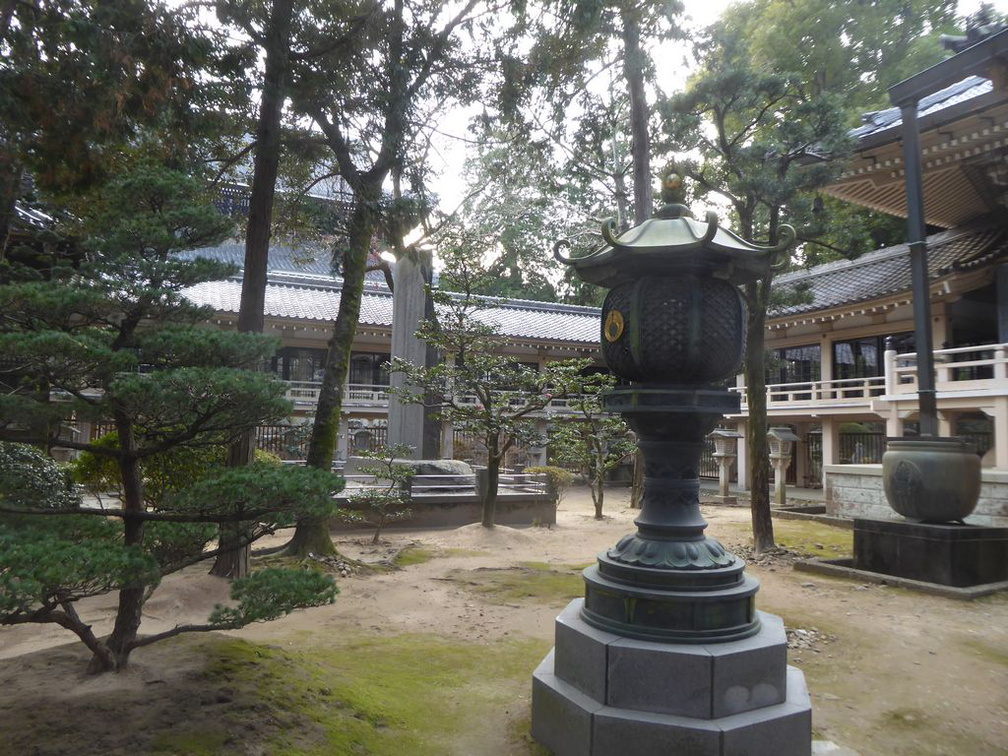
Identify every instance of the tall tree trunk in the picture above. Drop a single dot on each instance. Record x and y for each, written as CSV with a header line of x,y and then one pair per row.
x,y
759,451
312,533
640,142
10,185
598,495
492,486
637,484
233,562
598,479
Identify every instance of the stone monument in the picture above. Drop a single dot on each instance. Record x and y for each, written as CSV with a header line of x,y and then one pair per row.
x,y
667,653
412,424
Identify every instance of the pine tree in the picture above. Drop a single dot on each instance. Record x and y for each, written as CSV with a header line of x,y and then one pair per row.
x,y
115,341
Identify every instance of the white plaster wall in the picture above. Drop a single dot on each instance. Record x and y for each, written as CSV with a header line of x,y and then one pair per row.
x,y
856,491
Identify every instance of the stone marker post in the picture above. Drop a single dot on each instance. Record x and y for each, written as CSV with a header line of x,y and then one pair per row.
x,y
781,440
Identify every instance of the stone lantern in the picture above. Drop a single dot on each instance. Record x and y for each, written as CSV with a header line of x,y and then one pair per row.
x,y
725,452
666,652
782,440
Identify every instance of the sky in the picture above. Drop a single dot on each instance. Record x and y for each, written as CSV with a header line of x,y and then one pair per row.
x,y
450,156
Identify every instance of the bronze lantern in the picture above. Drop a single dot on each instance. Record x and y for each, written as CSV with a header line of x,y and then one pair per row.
x,y
673,331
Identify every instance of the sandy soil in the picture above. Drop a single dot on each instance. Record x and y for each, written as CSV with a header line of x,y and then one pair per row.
x,y
890,671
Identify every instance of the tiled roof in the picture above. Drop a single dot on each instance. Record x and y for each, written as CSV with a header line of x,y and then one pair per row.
x,y
887,271
296,297
302,297
310,259
523,319
882,120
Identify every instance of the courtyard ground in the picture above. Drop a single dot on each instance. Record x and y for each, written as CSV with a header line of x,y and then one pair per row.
x,y
434,655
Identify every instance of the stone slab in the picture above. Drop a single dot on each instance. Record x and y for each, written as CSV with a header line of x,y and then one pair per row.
x,y
782,730
582,653
662,678
621,732
561,714
947,554
693,680
843,568
750,674
569,723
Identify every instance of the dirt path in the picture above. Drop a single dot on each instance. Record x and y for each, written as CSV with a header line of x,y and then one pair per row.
x,y
891,672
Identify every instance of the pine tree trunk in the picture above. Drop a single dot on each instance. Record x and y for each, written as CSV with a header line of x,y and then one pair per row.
x,y
312,533
598,496
640,142
233,561
637,485
759,452
598,480
493,483
133,595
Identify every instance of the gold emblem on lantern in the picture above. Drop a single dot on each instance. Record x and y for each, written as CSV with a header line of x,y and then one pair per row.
x,y
614,324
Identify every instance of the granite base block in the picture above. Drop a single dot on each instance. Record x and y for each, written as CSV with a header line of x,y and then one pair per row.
x,y
946,554
561,714
569,723
599,694
582,652
691,680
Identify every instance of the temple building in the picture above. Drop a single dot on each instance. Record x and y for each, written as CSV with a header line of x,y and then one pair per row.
x,y
841,363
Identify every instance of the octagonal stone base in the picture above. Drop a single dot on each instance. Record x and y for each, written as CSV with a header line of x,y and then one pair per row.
x,y
599,694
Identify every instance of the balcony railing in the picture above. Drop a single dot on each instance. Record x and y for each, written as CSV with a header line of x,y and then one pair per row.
x,y
978,369
836,393
972,368
304,395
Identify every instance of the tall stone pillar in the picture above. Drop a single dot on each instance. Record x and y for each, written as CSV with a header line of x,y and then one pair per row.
x,y
411,424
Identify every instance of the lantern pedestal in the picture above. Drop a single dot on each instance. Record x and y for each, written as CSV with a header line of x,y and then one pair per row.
x,y
666,653
600,693
669,581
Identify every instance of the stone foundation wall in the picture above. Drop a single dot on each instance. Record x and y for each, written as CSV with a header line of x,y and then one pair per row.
x,y
452,511
856,491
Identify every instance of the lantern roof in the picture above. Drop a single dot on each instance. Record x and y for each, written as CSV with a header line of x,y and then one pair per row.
x,y
673,242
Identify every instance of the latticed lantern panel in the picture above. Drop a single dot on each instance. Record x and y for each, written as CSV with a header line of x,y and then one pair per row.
x,y
682,330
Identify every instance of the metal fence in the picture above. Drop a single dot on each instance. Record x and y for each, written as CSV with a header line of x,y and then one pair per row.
x,y
469,447
708,465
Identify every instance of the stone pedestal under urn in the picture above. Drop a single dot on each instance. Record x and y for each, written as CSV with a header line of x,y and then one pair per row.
x,y
934,483
667,653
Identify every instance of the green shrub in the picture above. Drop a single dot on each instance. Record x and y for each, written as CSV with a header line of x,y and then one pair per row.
x,y
558,480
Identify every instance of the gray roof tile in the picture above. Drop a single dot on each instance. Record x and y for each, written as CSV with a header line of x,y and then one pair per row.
x,y
306,298
882,120
887,271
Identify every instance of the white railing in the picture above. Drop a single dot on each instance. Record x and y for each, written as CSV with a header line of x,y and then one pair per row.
x,y
305,395
972,368
841,392
981,368
441,485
